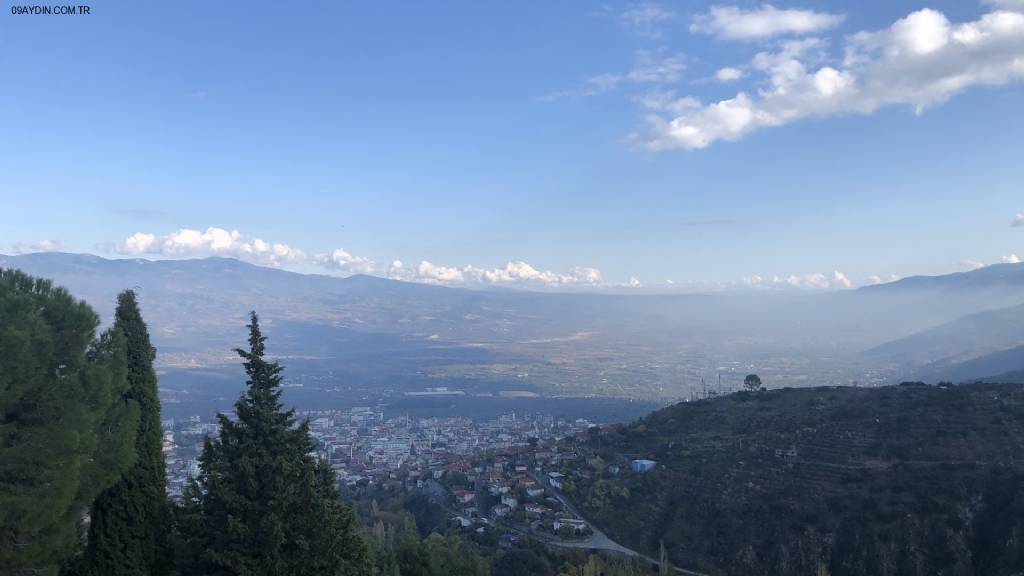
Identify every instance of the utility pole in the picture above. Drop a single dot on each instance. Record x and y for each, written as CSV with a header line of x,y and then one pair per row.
x,y
663,566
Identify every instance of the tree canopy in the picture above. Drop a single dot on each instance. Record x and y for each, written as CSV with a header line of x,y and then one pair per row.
x,y
130,519
263,505
67,428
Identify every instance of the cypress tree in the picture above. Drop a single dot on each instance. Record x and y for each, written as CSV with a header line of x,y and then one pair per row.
x,y
66,431
129,519
266,507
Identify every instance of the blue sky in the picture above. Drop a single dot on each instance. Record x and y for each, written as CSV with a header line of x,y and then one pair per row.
x,y
543,145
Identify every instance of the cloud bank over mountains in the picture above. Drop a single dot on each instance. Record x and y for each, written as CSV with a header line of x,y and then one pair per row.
x,y
214,241
814,280
40,246
186,243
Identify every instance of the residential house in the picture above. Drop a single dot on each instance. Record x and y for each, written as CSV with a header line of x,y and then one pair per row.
x,y
643,465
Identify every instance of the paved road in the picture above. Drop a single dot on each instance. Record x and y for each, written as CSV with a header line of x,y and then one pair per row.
x,y
599,540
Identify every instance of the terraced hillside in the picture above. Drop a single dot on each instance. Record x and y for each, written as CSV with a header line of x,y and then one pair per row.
x,y
908,479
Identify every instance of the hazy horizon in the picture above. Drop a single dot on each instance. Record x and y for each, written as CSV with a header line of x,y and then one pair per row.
x,y
812,145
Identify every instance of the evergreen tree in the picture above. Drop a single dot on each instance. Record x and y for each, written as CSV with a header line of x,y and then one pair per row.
x,y
66,428
127,535
263,506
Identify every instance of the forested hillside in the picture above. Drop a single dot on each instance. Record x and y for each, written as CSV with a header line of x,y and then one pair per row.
x,y
909,479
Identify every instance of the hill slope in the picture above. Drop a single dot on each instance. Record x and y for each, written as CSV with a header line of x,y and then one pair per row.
x,y
988,278
913,480
994,367
964,338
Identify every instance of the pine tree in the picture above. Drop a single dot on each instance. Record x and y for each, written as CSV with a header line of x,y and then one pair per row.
x,y
66,430
127,535
266,507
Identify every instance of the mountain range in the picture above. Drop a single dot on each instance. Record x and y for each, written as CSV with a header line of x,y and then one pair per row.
x,y
372,333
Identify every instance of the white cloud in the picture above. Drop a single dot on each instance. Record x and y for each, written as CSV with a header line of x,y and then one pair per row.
x,y
734,23
921,60
427,271
1011,259
41,246
971,264
514,273
647,15
667,101
1018,220
873,280
187,242
840,279
728,74
1012,5
652,67
518,271
138,243
340,259
810,281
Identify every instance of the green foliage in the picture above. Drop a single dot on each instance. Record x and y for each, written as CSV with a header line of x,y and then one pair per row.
x,y
522,562
450,556
912,480
603,566
66,427
752,383
398,549
263,505
130,519
453,479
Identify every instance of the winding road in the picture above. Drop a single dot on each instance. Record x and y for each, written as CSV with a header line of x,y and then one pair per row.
x,y
598,540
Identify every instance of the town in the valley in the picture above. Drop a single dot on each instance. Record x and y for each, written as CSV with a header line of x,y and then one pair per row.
x,y
506,474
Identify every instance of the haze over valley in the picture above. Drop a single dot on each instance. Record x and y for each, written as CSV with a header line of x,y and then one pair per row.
x,y
376,340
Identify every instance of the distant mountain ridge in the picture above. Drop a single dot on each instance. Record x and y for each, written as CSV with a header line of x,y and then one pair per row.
x,y
961,339
1001,366
974,346
564,343
985,278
